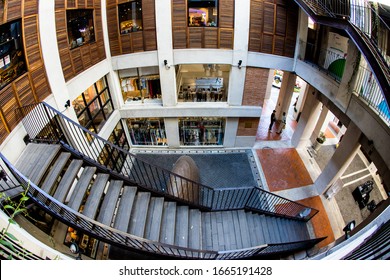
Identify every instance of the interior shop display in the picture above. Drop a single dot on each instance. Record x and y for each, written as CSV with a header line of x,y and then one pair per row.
x,y
204,90
130,17
202,13
201,131
80,27
147,131
141,88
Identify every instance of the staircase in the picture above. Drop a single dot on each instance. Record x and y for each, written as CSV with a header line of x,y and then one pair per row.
x,y
124,207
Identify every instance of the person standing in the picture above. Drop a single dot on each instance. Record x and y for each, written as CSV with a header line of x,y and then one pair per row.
x,y
282,123
273,119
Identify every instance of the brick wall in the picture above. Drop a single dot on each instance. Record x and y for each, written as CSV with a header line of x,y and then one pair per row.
x,y
248,126
255,86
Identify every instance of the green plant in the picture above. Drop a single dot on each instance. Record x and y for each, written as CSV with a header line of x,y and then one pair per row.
x,y
321,138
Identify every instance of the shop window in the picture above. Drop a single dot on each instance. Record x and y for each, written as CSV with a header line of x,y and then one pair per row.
x,y
130,17
201,131
80,27
147,131
203,13
12,61
94,106
141,88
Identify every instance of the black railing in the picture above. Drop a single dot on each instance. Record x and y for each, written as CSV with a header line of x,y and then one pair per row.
x,y
42,122
125,240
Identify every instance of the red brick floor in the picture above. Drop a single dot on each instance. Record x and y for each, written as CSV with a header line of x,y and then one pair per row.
x,y
283,169
321,224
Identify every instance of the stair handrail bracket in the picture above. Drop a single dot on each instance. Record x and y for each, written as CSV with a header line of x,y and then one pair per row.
x,y
54,126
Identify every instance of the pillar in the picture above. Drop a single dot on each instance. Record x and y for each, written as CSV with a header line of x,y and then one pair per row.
x,y
322,123
172,132
307,120
285,94
340,160
269,84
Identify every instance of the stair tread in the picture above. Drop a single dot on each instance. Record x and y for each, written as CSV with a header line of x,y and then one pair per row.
x,y
167,233
194,229
251,229
246,243
67,180
207,242
122,218
275,230
236,228
95,195
153,220
181,230
258,230
264,228
110,202
55,172
229,236
139,213
81,187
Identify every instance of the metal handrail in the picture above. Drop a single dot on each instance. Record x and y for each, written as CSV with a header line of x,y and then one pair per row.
x,y
41,121
113,236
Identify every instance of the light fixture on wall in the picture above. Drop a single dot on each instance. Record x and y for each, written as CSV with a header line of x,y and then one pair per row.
x,y
167,66
239,64
348,228
67,104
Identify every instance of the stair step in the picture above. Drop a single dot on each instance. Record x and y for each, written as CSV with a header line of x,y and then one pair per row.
x,y
275,230
246,243
153,219
139,213
264,227
54,173
194,230
110,202
167,233
36,159
258,230
207,241
282,223
181,230
219,230
95,195
251,229
228,229
236,229
81,187
122,218
67,180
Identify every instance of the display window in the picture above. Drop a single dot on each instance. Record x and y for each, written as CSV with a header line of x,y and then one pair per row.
x,y
80,27
94,106
88,245
147,131
130,17
202,13
201,131
12,60
141,89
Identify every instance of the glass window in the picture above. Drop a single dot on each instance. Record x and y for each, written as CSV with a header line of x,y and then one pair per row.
x,y
130,17
80,27
12,62
201,131
139,89
147,131
203,13
93,107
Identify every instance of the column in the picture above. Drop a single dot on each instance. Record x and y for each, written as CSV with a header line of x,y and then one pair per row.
x,y
165,53
172,132
285,94
340,160
322,123
307,120
269,84
300,47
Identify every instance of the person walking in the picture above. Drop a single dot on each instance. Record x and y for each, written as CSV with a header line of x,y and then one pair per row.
x,y
282,123
273,119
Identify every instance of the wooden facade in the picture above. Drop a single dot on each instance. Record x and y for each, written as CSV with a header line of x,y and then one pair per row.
x,y
220,37
144,40
32,86
74,61
273,27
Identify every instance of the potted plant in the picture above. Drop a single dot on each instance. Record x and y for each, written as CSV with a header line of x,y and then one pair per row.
x,y
319,141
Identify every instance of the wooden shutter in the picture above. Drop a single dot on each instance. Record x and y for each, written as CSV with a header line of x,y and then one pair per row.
x,y
256,25
179,24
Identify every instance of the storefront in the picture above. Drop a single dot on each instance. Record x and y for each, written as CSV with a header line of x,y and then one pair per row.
x,y
201,131
147,131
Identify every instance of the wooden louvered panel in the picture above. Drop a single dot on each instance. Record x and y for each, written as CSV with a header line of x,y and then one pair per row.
x,y
150,40
71,4
97,4
3,130
226,14
77,62
86,56
179,14
267,43
95,58
292,27
14,9
8,103
1,12
59,4
211,38
269,18
90,3
41,85
179,38
279,45
256,25
195,37
113,31
101,50
281,20
137,41
148,15
81,4
66,64
226,38
98,25
24,90
126,44
30,7
62,36
32,50
289,47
